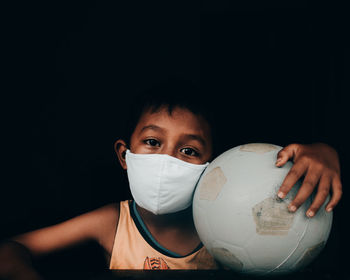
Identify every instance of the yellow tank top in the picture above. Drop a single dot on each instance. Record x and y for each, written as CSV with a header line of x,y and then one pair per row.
x,y
132,251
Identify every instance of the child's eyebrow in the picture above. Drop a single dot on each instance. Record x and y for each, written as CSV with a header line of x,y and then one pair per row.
x,y
197,138
153,127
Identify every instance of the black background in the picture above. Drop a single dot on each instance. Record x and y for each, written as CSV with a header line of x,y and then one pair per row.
x,y
274,72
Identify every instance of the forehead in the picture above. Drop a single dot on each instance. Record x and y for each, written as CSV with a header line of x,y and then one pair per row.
x,y
179,120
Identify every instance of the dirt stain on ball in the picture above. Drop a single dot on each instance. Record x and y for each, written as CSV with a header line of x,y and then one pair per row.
x,y
259,148
310,254
272,217
224,256
212,184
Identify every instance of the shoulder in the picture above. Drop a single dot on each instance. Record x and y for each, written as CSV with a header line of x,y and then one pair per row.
x,y
100,218
106,212
105,220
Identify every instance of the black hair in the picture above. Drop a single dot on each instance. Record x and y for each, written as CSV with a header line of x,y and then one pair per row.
x,y
171,93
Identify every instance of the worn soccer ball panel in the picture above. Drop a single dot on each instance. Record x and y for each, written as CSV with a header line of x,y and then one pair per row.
x,y
242,222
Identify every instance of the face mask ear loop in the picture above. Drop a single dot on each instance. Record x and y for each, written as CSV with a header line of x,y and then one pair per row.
x,y
127,148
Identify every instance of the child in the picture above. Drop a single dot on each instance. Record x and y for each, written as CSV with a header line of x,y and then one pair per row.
x,y
169,144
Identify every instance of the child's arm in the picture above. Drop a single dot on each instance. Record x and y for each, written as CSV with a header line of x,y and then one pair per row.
x,y
15,262
319,164
99,225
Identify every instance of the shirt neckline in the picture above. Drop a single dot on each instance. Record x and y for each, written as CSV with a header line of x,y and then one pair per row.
x,y
150,239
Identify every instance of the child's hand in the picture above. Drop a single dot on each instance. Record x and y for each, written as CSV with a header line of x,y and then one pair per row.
x,y
319,163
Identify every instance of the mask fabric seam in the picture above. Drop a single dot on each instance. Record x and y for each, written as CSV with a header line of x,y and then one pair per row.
x,y
160,181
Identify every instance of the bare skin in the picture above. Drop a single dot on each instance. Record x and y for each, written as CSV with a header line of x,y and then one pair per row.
x,y
319,163
98,225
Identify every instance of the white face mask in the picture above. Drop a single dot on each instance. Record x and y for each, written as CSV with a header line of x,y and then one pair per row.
x,y
161,183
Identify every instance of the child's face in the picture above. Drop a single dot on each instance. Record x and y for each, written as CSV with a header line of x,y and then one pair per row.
x,y
182,134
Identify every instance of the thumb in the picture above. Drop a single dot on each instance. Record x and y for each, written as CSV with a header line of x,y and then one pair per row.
x,y
285,154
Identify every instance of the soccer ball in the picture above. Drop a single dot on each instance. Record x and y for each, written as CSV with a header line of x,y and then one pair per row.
x,y
242,222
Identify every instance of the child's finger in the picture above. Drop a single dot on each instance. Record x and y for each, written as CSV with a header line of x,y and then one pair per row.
x,y
285,154
292,177
311,179
321,195
336,193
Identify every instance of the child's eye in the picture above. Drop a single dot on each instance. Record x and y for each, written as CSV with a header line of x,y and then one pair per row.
x,y
189,152
152,142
